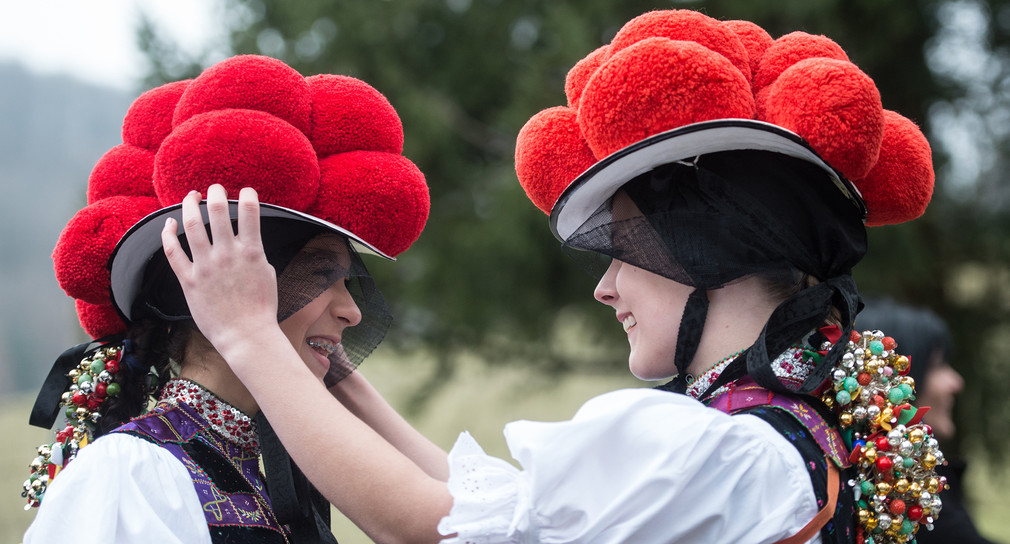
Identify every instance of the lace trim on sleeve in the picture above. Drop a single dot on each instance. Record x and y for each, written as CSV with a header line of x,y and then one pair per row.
x,y
490,499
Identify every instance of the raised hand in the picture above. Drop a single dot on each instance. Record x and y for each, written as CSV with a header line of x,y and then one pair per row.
x,y
230,287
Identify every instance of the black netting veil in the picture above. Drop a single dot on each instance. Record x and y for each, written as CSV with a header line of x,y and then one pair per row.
x,y
309,259
729,215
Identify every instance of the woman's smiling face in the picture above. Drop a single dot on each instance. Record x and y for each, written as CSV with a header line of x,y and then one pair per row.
x,y
650,307
315,330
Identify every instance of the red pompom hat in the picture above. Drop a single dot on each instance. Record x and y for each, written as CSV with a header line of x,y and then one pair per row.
x,y
326,149
676,69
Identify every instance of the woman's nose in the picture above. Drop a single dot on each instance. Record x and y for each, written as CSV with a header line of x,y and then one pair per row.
x,y
343,307
606,289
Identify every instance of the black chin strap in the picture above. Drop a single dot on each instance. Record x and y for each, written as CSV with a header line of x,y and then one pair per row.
x,y
692,324
297,504
792,320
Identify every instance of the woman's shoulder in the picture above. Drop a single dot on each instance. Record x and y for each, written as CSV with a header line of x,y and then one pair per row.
x,y
133,486
663,424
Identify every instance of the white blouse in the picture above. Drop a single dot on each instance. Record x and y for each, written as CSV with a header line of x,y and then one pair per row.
x,y
636,465
121,489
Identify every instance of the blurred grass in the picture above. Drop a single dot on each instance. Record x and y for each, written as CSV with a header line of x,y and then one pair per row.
x,y
479,399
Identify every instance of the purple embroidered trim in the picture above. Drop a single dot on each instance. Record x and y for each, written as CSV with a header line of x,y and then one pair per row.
x,y
745,393
170,426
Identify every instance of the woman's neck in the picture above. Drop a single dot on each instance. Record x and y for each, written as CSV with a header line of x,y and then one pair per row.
x,y
737,314
205,366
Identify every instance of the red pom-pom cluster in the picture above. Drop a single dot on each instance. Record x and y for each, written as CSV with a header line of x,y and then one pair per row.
x,y
670,68
327,145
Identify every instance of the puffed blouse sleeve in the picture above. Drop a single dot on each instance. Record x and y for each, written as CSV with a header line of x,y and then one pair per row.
x,y
635,465
121,489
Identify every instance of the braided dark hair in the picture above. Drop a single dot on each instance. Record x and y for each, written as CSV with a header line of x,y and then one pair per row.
x,y
156,344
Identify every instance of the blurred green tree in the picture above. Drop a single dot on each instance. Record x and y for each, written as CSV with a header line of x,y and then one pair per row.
x,y
486,275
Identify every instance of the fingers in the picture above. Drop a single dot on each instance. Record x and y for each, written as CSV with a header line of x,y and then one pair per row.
x,y
176,257
249,217
192,225
217,212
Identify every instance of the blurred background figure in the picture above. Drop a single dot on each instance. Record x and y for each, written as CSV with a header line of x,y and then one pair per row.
x,y
925,338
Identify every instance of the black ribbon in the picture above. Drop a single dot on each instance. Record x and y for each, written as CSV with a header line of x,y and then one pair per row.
x,y
295,502
794,319
47,404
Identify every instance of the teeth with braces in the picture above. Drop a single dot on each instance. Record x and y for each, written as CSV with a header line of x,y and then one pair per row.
x,y
325,346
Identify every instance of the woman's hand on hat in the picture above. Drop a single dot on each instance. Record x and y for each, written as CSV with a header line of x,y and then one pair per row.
x,y
230,287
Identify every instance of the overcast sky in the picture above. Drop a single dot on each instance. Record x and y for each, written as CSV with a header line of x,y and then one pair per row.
x,y
94,39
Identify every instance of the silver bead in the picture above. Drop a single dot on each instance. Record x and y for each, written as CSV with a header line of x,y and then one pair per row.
x,y
906,448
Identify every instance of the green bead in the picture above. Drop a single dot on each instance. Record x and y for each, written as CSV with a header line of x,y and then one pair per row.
x,y
868,487
843,397
908,462
69,412
113,389
862,504
97,366
851,384
876,347
906,389
906,527
895,395
84,378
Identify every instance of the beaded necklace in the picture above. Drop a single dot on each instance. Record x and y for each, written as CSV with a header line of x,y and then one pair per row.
x,y
791,366
228,421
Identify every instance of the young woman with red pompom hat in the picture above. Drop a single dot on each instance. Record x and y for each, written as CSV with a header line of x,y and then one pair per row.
x,y
162,442
724,211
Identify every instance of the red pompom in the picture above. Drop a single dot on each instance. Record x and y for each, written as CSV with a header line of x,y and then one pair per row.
x,y
238,148
754,39
790,49
124,170
84,246
657,85
900,185
99,320
381,197
835,107
350,115
250,82
686,25
550,153
149,118
579,75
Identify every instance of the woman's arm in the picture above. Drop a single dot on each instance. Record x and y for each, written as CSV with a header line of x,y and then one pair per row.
x,y
359,396
231,291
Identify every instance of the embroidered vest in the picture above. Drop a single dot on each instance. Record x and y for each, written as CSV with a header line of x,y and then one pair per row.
x,y
226,477
813,437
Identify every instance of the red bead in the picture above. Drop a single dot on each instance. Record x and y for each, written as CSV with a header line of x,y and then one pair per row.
x,y
855,336
882,444
864,378
93,403
878,401
100,389
884,464
889,343
915,512
112,367
80,398
898,507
